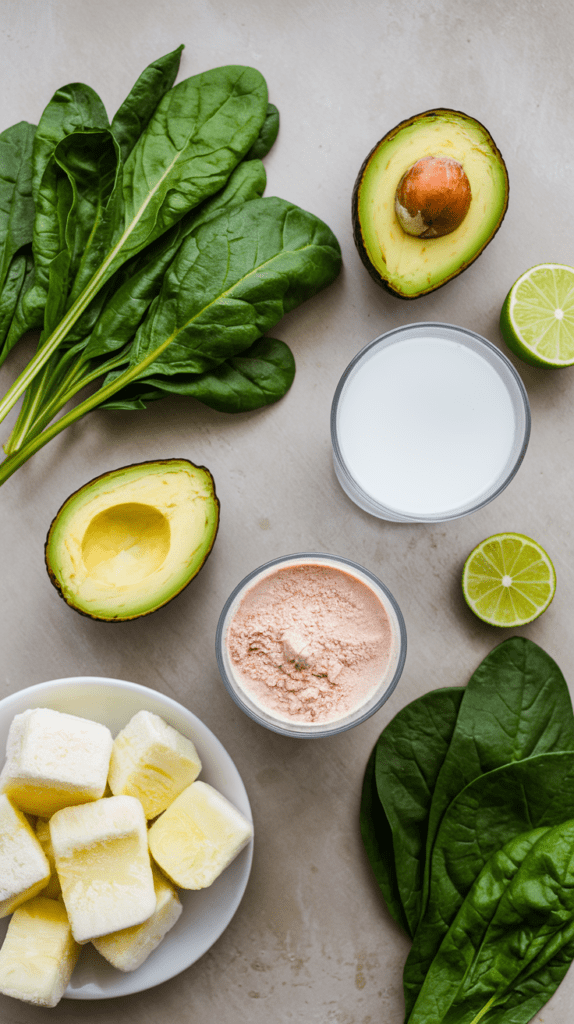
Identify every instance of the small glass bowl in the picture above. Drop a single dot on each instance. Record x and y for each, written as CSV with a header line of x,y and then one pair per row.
x,y
287,726
452,416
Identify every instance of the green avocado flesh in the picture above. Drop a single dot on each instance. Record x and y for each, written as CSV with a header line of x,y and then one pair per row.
x,y
130,540
405,265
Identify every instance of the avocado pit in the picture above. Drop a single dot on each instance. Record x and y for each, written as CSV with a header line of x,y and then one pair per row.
x,y
433,197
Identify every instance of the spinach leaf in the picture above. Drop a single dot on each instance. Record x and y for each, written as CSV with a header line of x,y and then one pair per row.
x,y
16,224
92,165
29,311
267,135
71,200
72,108
200,131
491,810
136,111
516,705
9,295
77,198
258,377
409,756
16,203
378,842
53,204
231,282
517,917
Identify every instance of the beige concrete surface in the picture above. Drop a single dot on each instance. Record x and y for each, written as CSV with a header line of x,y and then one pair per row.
x,y
312,942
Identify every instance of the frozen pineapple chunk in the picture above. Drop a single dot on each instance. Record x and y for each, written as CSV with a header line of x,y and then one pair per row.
x,y
198,836
128,949
54,760
24,868
103,865
38,954
53,888
153,761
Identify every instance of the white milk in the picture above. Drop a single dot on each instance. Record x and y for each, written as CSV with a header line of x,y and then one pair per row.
x,y
426,425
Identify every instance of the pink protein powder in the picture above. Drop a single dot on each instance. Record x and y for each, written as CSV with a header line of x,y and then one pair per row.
x,y
310,643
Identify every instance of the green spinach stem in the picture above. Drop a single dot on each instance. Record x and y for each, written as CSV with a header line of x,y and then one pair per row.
x,y
18,458
484,1010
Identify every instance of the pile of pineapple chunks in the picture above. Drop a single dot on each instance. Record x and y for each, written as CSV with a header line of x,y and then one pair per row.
x,y
80,861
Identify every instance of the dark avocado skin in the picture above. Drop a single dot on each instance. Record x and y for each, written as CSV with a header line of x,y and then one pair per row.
x,y
357,232
102,476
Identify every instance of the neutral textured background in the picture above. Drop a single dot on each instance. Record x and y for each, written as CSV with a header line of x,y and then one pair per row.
x,y
311,941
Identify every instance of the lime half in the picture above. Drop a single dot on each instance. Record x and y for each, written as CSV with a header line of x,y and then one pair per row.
x,y
508,580
537,318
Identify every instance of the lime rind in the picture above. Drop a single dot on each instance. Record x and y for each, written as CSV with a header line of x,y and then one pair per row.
x,y
533,580
537,317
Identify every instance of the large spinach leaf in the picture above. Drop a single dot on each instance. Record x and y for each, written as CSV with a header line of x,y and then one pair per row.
x,y
257,377
516,705
490,811
408,758
232,281
516,920
200,131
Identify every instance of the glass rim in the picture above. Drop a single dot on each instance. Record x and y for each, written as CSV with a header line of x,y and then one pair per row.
x,y
398,515
311,730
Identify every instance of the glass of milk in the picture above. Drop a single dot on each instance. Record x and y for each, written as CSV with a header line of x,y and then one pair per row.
x,y
429,422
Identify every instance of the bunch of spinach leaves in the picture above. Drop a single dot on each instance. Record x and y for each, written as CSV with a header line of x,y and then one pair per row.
x,y
467,820
143,251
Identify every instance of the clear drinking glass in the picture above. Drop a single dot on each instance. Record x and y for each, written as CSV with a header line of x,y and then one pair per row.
x,y
429,422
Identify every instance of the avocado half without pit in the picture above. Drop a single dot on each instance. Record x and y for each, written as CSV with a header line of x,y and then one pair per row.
x,y
428,199
129,541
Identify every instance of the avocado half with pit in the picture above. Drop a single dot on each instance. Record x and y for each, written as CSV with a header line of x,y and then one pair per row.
x,y
129,541
428,199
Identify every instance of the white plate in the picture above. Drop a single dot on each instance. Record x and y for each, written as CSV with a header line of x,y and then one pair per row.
x,y
207,912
